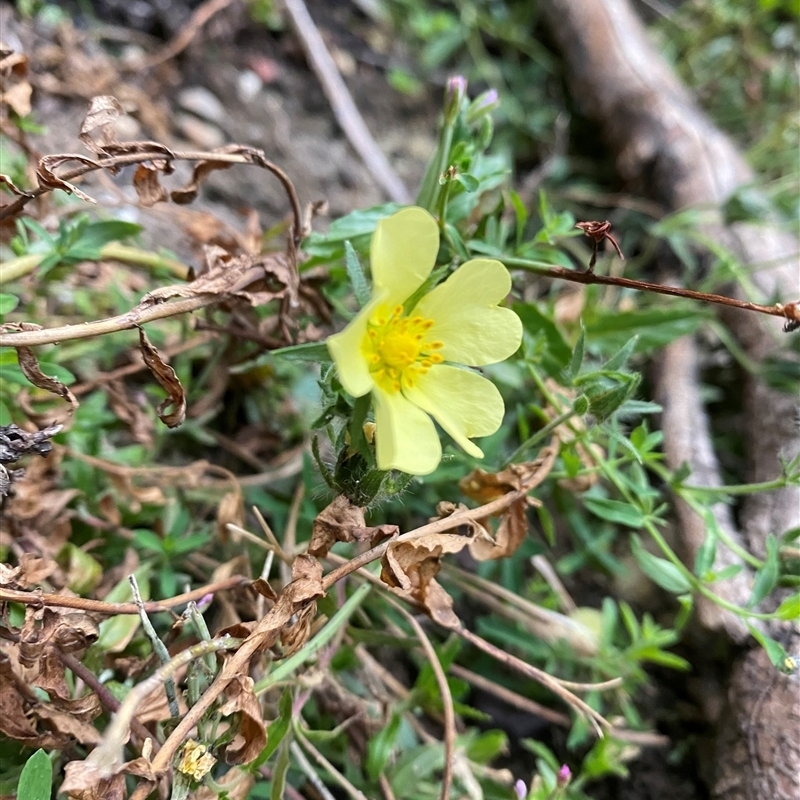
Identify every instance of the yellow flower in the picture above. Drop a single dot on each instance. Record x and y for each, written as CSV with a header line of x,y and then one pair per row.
x,y
196,761
405,357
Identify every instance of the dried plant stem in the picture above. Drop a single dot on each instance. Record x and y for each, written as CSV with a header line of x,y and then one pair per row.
x,y
344,109
36,598
16,268
789,311
447,701
351,790
104,695
248,155
138,315
108,753
540,676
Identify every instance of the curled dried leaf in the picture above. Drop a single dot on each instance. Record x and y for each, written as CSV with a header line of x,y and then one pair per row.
x,y
31,370
148,186
168,381
251,734
97,128
485,486
201,171
342,521
6,181
49,180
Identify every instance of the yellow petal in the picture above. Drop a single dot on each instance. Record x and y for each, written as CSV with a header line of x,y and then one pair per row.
x,y
403,252
475,331
345,349
464,403
405,436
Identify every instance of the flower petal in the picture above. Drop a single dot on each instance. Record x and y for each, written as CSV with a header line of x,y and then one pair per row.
x,y
475,331
403,252
345,349
405,436
464,403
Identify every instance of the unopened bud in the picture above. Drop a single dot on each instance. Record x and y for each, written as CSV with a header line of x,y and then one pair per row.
x,y
564,775
454,98
483,105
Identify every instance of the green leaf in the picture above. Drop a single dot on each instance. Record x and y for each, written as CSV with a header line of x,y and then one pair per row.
x,y
766,578
95,235
775,650
279,773
355,225
655,327
558,353
577,355
469,182
316,352
277,729
8,302
659,570
789,609
380,747
620,358
356,274
707,553
36,778
607,391
615,511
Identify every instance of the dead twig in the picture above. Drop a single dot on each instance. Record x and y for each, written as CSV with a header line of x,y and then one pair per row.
x,y
344,108
40,599
183,39
789,311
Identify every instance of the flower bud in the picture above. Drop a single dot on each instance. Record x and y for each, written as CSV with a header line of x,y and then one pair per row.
x,y
483,105
454,98
564,775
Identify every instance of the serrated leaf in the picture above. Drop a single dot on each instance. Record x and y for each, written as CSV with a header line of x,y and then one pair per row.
x,y
662,572
36,778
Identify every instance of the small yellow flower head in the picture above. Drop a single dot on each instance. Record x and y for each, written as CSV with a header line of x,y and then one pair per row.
x,y
406,360
196,761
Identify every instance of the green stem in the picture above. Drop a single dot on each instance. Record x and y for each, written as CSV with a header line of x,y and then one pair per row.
x,y
16,268
542,433
338,620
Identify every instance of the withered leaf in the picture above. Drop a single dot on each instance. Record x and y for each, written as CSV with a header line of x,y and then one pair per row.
x,y
485,486
30,369
306,580
148,186
251,734
230,511
49,180
67,724
168,381
4,179
341,521
510,534
264,588
295,635
202,170
103,112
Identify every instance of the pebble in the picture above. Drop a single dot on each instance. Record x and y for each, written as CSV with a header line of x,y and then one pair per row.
x,y
248,85
202,134
203,103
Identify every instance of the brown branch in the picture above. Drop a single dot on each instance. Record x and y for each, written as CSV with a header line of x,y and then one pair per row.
x,y
98,606
344,109
247,155
789,311
178,44
104,695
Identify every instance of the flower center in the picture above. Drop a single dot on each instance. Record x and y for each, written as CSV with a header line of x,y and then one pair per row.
x,y
397,348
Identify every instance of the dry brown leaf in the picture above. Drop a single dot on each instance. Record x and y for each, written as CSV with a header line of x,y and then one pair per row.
x,y
295,635
341,521
148,186
484,487
264,588
84,781
13,188
168,381
510,534
230,511
202,170
30,369
67,724
15,91
251,735
49,180
97,128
